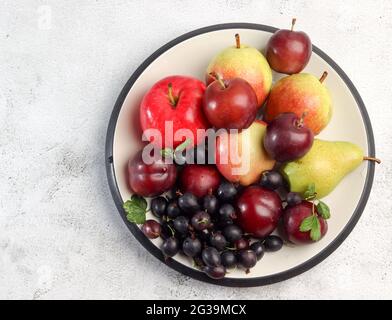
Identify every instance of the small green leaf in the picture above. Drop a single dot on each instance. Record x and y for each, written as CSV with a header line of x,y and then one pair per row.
x,y
167,152
136,209
315,232
310,192
137,215
306,224
323,210
139,201
183,145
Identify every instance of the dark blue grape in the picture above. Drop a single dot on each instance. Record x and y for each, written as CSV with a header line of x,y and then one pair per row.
x,y
229,260
158,206
170,247
273,243
191,247
211,257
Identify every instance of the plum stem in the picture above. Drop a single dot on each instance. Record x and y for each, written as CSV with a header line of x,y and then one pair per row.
x,y
237,41
372,159
323,76
172,99
293,23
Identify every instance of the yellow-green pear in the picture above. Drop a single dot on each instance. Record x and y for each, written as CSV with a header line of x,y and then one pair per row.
x,y
325,165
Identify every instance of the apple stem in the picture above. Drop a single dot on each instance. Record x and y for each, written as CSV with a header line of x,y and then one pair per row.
x,y
372,159
221,82
293,23
237,41
219,79
300,122
323,76
173,100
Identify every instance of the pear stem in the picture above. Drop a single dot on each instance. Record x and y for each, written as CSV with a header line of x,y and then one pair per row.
x,y
237,41
293,23
372,159
173,100
324,75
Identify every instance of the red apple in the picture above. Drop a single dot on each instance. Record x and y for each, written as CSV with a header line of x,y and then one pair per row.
x,y
230,104
178,101
289,51
259,211
199,180
240,156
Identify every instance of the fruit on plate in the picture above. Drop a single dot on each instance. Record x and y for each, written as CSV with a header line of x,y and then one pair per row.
x,y
217,272
303,224
259,211
287,137
170,247
199,180
289,51
301,93
240,156
247,259
205,229
242,61
273,243
151,229
230,104
272,180
325,165
173,102
149,180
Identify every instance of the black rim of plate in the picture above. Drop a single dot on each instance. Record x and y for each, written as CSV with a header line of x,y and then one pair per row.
x,y
236,282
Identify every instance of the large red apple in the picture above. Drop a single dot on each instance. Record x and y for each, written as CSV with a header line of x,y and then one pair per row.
x,y
240,156
174,102
259,211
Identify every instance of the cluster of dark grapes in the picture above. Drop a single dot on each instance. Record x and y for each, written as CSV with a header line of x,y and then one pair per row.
x,y
205,230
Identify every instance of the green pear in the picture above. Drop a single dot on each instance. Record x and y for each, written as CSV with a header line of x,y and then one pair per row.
x,y
325,165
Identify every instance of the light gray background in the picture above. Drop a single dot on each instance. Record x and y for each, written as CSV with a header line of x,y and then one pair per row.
x,y
60,233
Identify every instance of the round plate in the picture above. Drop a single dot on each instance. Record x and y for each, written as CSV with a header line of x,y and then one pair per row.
x,y
189,54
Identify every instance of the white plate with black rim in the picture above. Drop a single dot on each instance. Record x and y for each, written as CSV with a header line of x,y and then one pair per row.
x,y
189,54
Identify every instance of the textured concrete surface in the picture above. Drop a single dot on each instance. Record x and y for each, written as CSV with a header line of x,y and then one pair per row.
x,y
62,65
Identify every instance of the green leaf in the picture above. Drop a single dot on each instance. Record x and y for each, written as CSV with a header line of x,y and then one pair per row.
x,y
310,192
167,152
306,224
323,210
139,201
311,224
136,215
136,209
315,232
183,145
